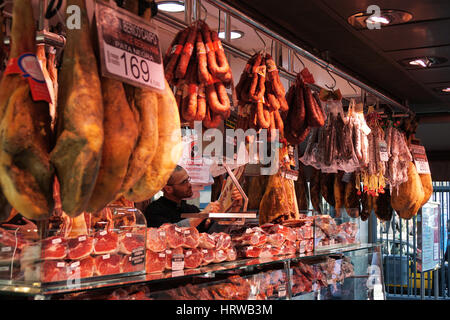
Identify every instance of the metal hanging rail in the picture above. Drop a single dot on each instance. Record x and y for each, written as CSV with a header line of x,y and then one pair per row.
x,y
233,12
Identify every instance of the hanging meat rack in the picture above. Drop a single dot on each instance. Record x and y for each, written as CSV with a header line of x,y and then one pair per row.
x,y
193,11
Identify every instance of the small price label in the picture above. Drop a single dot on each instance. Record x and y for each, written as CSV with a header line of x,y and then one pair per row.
x,y
289,174
282,290
420,159
384,156
56,241
177,262
130,48
6,249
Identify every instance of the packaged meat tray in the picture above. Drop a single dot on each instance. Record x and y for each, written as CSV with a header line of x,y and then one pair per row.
x,y
109,243
332,233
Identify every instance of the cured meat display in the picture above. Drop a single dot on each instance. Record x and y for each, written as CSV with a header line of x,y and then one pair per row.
x,y
26,175
261,96
305,110
187,244
106,242
80,247
196,64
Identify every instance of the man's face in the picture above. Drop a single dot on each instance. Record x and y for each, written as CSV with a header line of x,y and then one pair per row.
x,y
181,186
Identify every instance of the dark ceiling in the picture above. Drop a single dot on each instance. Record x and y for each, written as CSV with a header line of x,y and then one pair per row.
x,y
373,56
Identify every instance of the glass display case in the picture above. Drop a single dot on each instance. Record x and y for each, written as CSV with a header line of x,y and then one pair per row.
x,y
69,251
349,273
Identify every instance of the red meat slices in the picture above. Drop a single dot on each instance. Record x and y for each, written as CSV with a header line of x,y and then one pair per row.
x,y
192,258
155,261
289,248
223,240
174,235
80,247
220,256
231,254
128,242
250,251
130,264
53,270
208,256
83,268
107,264
106,242
252,236
54,248
169,255
276,239
190,237
206,241
156,239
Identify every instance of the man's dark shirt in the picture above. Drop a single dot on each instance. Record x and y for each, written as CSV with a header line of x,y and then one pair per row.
x,y
164,210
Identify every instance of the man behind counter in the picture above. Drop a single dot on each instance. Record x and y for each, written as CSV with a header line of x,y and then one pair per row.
x,y
171,205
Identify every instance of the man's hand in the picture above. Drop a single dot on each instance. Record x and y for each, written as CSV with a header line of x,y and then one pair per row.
x,y
213,207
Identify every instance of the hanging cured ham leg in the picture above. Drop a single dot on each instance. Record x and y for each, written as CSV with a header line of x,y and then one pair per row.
x,y
26,175
78,149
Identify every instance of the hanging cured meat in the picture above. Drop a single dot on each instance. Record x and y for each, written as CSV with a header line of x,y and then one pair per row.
x,y
315,190
168,151
407,198
261,96
301,190
274,205
196,64
78,149
26,175
121,132
382,206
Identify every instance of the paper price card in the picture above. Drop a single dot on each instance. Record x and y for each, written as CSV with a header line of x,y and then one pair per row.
x,y
129,48
420,159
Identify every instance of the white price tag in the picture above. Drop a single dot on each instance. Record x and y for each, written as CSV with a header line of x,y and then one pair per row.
x,y
60,264
384,156
177,262
106,256
130,48
56,241
82,238
420,159
6,249
104,232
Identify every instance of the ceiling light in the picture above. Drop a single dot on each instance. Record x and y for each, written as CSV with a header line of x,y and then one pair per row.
x,y
446,90
379,19
423,62
362,20
234,34
419,62
171,6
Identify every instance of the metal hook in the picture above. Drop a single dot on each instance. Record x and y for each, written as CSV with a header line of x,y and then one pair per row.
x,y
206,12
334,85
218,26
296,55
354,89
259,36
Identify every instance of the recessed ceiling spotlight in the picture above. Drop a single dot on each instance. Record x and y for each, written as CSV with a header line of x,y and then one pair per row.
x,y
171,6
423,62
363,20
380,19
234,34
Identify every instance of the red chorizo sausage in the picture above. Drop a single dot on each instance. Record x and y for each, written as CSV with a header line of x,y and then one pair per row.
x,y
201,103
314,116
217,97
217,61
186,54
263,115
170,66
211,120
274,77
203,72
